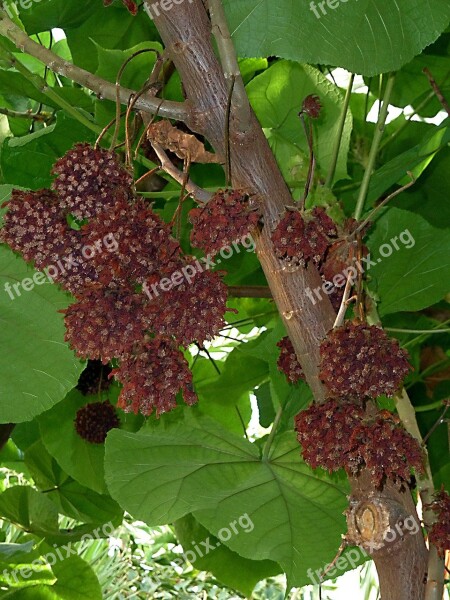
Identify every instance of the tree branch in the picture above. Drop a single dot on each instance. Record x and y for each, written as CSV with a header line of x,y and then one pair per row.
x,y
228,58
186,33
166,165
103,89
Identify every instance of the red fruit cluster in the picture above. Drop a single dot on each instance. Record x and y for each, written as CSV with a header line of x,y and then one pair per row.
x,y
440,532
144,246
190,312
361,361
104,324
89,181
324,431
299,237
227,217
94,420
35,226
130,5
288,361
312,106
95,378
341,435
152,376
113,314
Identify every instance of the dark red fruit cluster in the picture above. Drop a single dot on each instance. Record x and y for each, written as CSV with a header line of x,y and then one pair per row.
x,y
341,435
190,311
90,180
227,217
95,378
386,449
94,420
324,431
145,246
361,361
312,106
113,313
104,324
440,532
152,376
35,226
288,361
299,237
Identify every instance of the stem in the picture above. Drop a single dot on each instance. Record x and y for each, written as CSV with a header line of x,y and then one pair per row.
x,y
435,579
15,114
166,164
40,84
230,64
375,147
272,433
101,87
338,141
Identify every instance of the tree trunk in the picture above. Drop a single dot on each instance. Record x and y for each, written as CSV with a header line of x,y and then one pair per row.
x,y
186,33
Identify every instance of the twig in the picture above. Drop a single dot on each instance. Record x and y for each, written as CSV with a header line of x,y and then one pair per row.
x,y
379,129
15,114
199,193
436,425
383,203
249,291
230,64
118,86
440,96
273,431
338,140
101,87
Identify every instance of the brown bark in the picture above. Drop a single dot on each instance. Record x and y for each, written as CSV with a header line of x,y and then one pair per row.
x,y
186,33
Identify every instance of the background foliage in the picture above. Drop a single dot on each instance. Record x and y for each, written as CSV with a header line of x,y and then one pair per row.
x,y
57,487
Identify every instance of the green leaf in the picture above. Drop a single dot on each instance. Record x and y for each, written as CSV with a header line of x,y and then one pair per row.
x,y
207,553
35,513
28,160
80,459
226,397
265,405
37,369
7,550
75,580
277,95
363,36
197,466
430,192
415,159
71,498
417,274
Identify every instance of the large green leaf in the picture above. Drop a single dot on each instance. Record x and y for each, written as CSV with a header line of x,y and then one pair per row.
x,y
415,159
71,498
195,465
28,160
226,397
35,513
207,553
364,36
80,459
37,369
417,274
277,95
75,580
